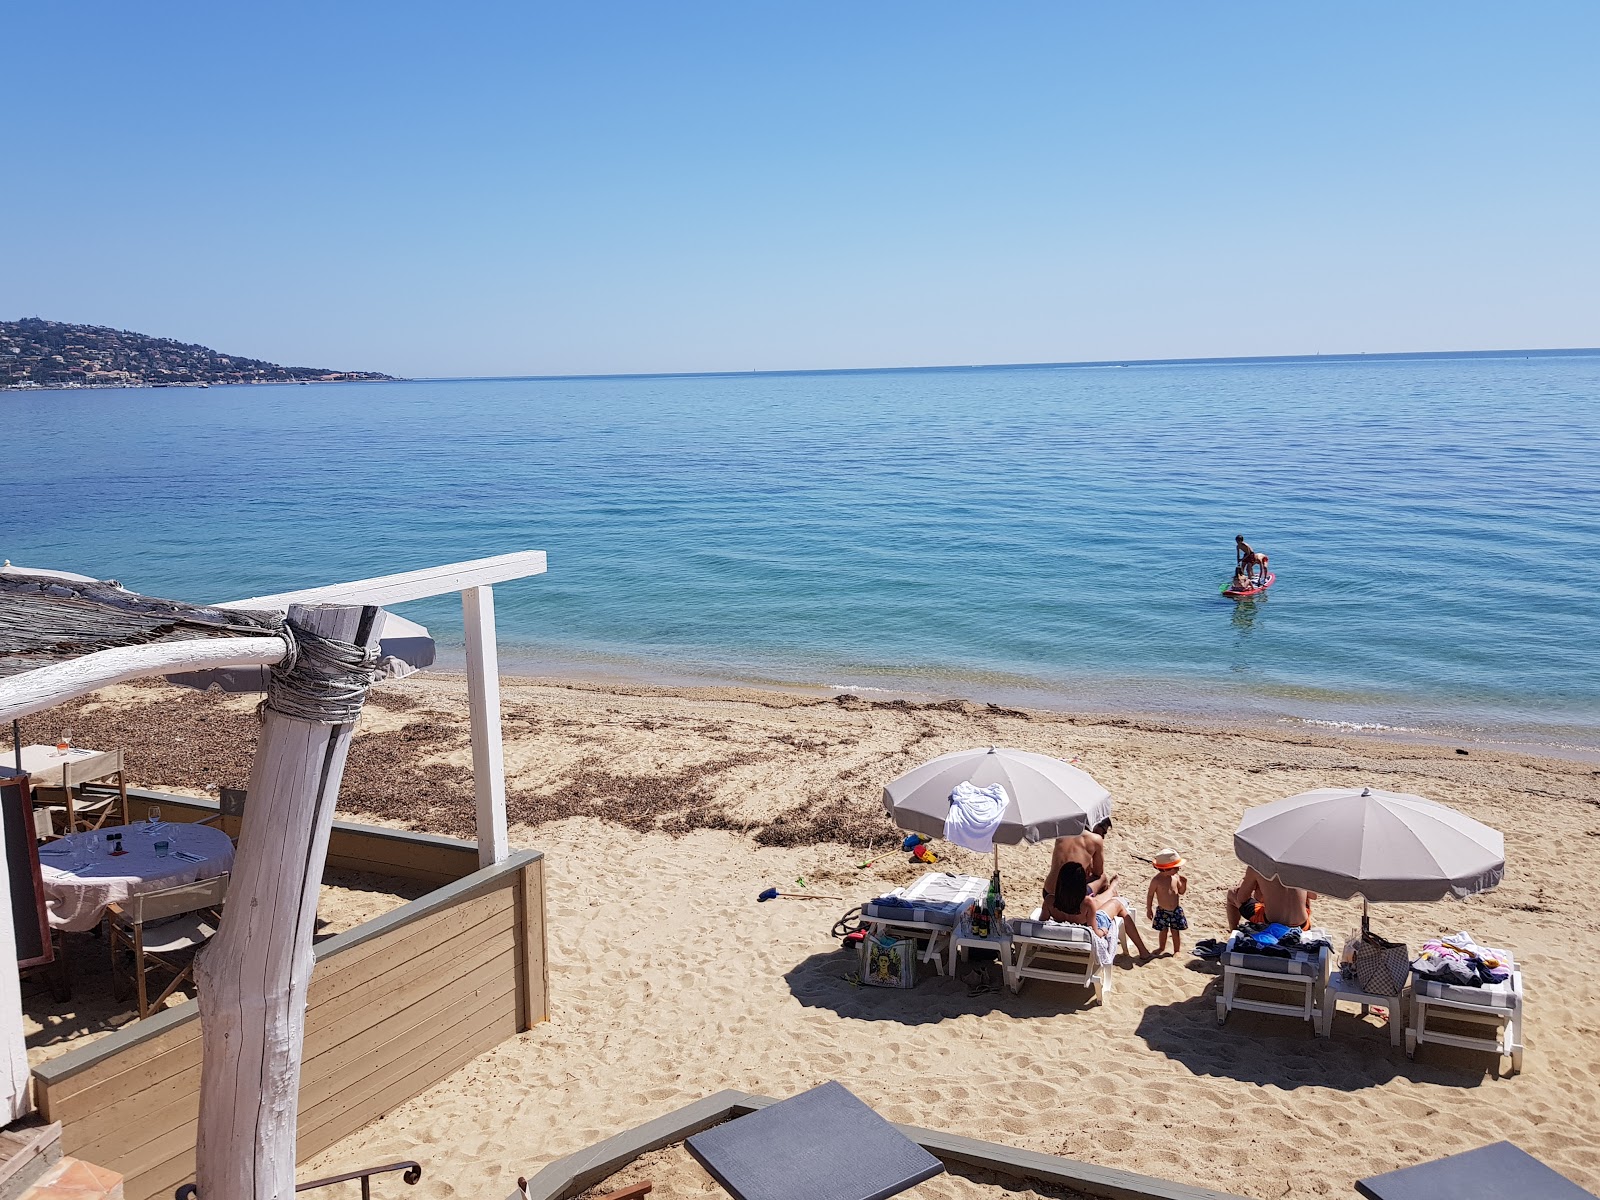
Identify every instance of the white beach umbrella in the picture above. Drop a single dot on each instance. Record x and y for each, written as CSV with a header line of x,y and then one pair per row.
x,y
1045,797
1379,845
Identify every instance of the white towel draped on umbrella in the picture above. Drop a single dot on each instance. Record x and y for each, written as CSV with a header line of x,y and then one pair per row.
x,y
975,813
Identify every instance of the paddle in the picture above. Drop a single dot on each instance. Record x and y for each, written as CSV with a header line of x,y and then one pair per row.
x,y
773,893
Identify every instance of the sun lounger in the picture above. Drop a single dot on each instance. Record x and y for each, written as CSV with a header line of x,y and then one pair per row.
x,y
1299,980
1493,1009
927,910
1061,952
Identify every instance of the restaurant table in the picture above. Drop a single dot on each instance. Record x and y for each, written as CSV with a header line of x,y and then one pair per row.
x,y
44,765
76,895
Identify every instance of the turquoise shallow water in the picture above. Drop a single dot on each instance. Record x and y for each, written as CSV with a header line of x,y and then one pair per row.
x,y
1044,535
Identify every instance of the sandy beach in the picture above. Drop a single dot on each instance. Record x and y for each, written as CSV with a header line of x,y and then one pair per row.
x,y
663,812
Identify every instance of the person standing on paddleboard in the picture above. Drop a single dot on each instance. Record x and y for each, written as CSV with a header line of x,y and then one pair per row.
x,y
1248,560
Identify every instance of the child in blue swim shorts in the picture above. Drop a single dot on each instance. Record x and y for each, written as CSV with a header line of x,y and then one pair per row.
x,y
1164,901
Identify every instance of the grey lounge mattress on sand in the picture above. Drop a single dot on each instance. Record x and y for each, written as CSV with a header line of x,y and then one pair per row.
x,y
823,1144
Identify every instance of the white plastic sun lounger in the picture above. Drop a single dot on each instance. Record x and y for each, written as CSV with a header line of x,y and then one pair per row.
x,y
1298,984
927,910
1060,952
1495,1009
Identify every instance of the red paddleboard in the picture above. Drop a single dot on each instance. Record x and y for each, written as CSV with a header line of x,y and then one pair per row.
x,y
1246,593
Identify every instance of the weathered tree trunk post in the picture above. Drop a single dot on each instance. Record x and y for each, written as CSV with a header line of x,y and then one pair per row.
x,y
252,978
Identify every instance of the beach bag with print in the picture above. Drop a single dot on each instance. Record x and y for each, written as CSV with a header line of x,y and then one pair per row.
x,y
889,962
1381,966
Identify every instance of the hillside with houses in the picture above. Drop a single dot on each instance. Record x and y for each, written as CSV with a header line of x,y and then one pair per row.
x,y
35,353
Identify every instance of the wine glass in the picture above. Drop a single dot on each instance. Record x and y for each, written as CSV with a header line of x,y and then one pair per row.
x,y
152,821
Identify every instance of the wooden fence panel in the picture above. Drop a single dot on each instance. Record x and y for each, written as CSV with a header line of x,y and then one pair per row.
x,y
394,1006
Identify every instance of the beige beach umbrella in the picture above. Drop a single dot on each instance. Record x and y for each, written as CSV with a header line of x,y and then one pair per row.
x,y
1045,797
1378,845
1048,798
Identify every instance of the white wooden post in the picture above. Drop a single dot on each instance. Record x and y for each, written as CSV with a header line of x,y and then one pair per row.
x,y
483,698
14,1072
253,976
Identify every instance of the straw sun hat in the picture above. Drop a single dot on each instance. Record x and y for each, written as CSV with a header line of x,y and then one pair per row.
x,y
1167,860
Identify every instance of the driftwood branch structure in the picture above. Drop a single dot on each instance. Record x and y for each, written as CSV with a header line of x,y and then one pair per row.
x,y
253,976
63,637
46,620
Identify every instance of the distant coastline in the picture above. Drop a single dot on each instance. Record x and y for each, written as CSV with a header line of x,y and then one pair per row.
x,y
38,355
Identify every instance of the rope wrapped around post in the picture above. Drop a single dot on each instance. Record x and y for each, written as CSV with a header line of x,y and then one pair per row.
x,y
321,680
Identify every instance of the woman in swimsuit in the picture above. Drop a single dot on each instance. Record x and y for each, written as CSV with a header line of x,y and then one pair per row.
x,y
1074,902
1252,563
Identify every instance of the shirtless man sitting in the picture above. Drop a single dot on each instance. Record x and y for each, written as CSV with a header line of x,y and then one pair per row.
x,y
1088,850
1280,905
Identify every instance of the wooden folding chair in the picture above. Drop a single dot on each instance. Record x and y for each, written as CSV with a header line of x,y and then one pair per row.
x,y
89,801
230,803
157,925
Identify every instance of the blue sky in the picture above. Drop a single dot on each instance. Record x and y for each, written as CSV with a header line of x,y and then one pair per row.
x,y
530,188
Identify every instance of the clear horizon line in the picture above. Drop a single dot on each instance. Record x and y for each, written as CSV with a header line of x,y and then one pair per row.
x,y
1224,360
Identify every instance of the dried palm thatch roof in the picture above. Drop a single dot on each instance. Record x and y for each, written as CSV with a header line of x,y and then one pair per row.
x,y
49,619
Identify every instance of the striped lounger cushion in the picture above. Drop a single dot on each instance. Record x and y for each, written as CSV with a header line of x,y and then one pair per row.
x,y
1498,995
1301,962
931,900
1054,931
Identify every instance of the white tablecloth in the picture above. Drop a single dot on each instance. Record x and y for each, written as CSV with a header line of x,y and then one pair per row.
x,y
43,764
77,897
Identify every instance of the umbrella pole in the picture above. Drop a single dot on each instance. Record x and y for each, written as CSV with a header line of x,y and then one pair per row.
x,y
16,742
1366,928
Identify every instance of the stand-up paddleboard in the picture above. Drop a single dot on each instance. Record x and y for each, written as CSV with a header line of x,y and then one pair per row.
x,y
1246,593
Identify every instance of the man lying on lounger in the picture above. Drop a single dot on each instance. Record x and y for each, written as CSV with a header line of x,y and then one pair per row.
x,y
1262,901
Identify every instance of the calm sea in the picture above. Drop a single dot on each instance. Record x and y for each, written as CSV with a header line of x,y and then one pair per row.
x,y
1038,535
